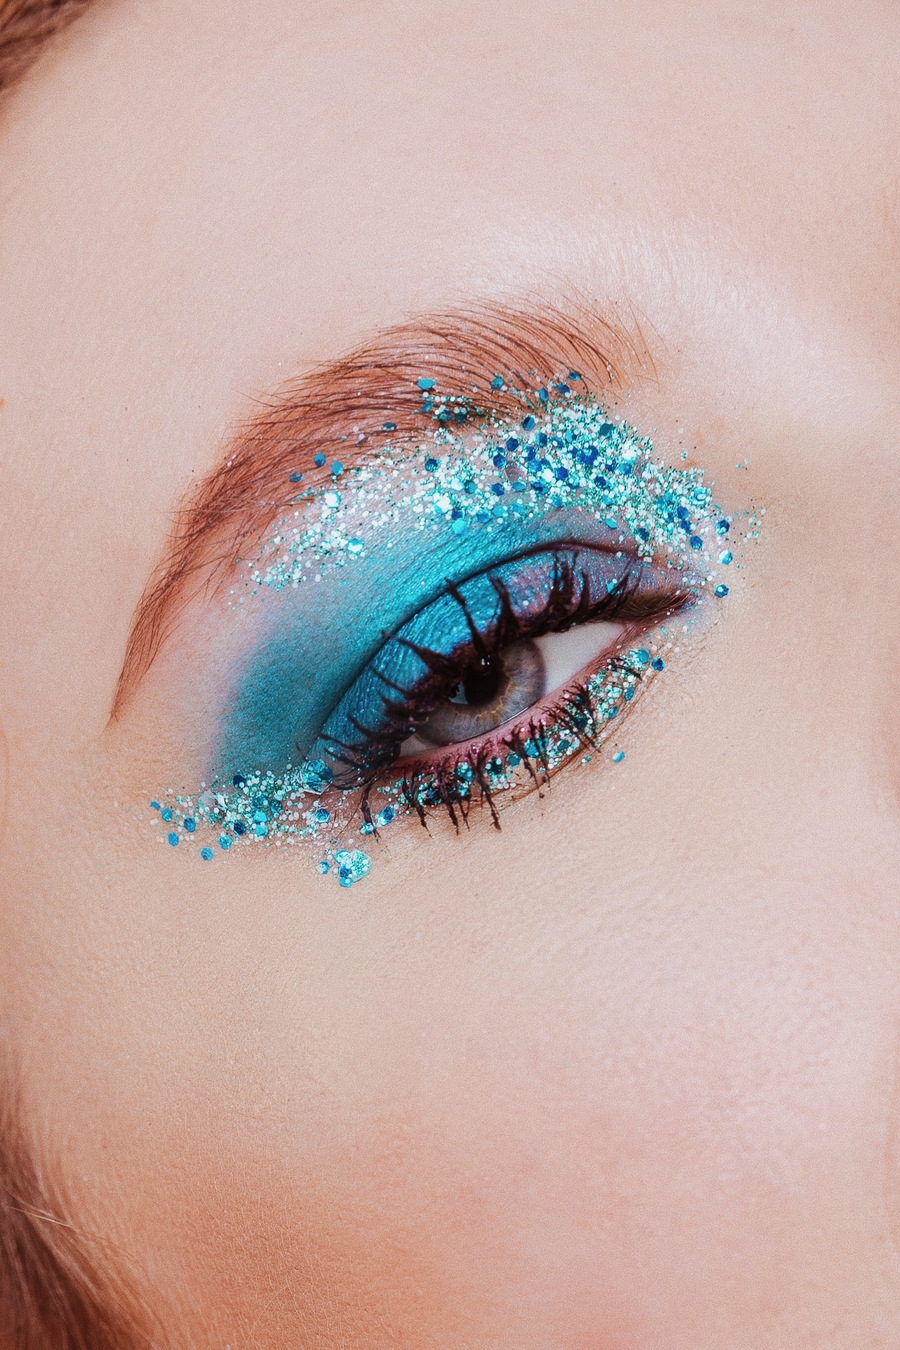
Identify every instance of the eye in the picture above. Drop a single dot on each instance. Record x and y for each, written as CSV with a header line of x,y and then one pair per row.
x,y
484,655
497,687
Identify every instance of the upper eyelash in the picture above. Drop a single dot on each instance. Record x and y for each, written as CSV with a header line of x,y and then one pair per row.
x,y
569,603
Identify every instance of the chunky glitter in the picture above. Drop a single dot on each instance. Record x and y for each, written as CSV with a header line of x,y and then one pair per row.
x,y
467,474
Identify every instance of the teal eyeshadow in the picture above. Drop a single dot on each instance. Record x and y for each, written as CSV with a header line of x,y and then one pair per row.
x,y
319,636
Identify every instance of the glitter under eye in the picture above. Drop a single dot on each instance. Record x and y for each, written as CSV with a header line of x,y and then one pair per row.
x,y
470,477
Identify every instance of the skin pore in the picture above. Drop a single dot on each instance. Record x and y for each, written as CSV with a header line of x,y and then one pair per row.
x,y
621,1076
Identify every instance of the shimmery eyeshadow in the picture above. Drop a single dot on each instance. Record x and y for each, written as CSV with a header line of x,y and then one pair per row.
x,y
475,490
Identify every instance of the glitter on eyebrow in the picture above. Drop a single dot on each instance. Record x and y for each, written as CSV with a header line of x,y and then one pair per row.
x,y
564,452
206,854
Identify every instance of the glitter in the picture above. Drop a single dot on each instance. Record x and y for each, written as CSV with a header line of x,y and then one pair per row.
x,y
319,460
618,757
206,854
337,468
721,591
316,775
352,865
425,384
173,838
166,813
574,375
389,426
296,478
560,453
726,557
154,806
190,824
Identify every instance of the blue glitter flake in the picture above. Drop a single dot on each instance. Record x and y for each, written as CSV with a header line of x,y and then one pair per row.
x,y
642,656
722,527
389,426
154,806
238,780
319,460
695,541
321,815
239,827
352,865
166,813
324,867
657,663
260,831
190,824
431,464
425,384
726,557
206,854
355,546
316,776
618,757
721,591
224,842
173,839
497,382
296,478
385,816
337,468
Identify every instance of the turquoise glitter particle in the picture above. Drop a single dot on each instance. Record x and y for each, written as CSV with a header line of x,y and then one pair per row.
x,y
497,382
726,557
642,656
385,816
352,865
431,464
224,842
321,815
695,541
316,775
722,527
324,867
319,460
154,806
618,757
355,546
657,663
337,468
190,824
166,813
206,854
260,831
173,839
258,816
721,591
296,478
460,526
389,426
425,384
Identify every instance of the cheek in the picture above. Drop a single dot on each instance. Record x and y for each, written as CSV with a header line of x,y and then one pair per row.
x,y
582,1116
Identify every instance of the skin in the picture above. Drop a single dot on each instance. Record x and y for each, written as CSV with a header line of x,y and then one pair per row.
x,y
622,1077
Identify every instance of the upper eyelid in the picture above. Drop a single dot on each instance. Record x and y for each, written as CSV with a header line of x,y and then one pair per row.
x,y
373,384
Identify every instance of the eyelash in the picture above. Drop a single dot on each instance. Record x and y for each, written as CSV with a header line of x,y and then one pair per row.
x,y
456,781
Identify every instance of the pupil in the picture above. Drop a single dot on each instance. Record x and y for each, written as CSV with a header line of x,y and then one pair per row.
x,y
482,681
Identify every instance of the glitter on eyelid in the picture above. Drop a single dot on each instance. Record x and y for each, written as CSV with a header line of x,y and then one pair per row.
x,y
470,471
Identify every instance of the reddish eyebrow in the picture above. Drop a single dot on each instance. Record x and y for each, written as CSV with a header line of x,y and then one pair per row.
x,y
339,410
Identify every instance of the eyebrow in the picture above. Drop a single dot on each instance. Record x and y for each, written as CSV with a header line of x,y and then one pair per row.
x,y
343,409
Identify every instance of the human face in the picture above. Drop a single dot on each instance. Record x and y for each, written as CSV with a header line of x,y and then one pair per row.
x,y
622,1073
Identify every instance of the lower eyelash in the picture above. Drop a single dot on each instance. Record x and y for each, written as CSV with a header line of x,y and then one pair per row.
x,y
524,756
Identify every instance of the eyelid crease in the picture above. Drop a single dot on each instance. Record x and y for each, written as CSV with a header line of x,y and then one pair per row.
x,y
528,342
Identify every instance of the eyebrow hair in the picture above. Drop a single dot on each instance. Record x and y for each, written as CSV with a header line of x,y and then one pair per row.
x,y
26,27
339,409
